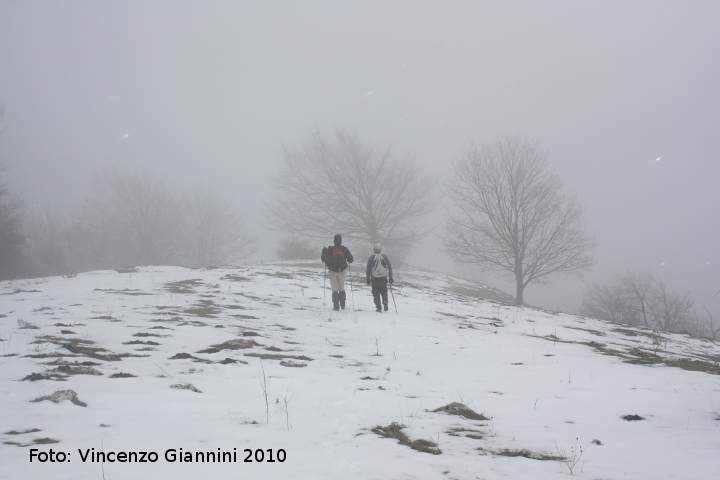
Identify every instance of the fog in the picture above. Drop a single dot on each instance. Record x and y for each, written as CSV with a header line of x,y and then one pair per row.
x,y
623,95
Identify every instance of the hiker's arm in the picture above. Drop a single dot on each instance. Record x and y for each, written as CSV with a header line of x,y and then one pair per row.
x,y
390,275
367,270
348,255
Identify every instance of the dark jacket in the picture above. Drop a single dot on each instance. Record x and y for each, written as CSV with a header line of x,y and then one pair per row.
x,y
336,257
371,261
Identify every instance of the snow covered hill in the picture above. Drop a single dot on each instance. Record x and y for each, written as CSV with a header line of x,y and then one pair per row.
x,y
249,358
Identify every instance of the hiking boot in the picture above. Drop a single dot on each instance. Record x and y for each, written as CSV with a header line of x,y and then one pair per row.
x,y
378,310
336,300
385,306
341,297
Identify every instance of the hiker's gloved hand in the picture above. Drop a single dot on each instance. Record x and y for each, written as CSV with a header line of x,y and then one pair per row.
x,y
391,280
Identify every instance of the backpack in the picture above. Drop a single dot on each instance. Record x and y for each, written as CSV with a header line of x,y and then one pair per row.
x,y
379,268
335,258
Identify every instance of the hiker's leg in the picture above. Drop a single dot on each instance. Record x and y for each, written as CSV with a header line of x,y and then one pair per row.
x,y
376,293
334,281
335,285
342,275
383,290
341,279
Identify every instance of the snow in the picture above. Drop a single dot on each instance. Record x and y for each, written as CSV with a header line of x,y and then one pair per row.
x,y
514,365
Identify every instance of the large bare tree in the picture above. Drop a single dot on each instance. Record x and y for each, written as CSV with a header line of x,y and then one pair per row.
x,y
336,184
510,214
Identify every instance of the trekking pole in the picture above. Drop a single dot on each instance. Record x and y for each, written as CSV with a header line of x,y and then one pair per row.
x,y
392,294
324,279
352,290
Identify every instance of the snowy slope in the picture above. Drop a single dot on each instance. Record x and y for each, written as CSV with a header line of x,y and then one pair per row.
x,y
550,385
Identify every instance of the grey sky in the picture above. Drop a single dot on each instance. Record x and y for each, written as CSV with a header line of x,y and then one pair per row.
x,y
213,92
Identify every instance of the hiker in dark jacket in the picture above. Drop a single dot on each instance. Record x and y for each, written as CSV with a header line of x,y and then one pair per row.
x,y
378,273
336,257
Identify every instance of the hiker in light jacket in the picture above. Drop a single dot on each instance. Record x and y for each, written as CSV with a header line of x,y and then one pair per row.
x,y
377,274
336,257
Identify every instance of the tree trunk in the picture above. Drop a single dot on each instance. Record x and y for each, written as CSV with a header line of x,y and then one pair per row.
x,y
519,287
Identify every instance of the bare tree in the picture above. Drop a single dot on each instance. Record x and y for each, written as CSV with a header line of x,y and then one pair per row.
x,y
640,288
671,310
336,184
712,330
293,248
645,300
610,303
134,219
214,233
12,239
511,214
47,245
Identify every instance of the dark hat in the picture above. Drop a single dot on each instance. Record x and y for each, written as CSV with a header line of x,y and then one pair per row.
x,y
337,239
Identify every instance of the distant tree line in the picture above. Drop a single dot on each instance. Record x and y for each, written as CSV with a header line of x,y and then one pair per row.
x,y
644,300
12,240
130,219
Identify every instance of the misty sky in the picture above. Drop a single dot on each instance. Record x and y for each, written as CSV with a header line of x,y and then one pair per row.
x,y
624,95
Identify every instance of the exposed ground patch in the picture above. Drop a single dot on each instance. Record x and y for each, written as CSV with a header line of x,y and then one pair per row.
x,y
290,363
510,452
234,344
141,342
24,325
34,377
183,287
466,432
589,330
82,347
125,291
69,370
186,386
461,410
62,396
277,356
203,308
187,356
641,356
632,418
233,277
36,441
395,430
22,432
